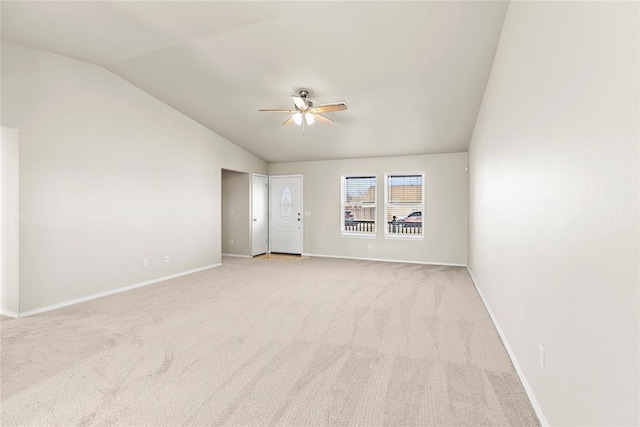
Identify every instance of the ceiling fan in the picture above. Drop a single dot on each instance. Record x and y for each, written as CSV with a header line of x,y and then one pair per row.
x,y
305,112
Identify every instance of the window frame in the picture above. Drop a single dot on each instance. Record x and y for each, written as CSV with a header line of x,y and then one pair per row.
x,y
387,233
343,202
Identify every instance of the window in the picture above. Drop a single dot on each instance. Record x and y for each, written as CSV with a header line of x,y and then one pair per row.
x,y
404,204
358,210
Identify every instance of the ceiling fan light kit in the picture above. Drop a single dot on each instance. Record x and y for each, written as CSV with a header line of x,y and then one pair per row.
x,y
309,118
305,113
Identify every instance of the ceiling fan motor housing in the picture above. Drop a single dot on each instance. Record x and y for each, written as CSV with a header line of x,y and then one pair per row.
x,y
303,93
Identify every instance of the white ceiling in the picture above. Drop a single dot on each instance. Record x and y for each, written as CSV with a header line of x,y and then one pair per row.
x,y
412,73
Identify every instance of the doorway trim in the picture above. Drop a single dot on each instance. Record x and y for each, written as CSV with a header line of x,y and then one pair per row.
x,y
9,222
254,250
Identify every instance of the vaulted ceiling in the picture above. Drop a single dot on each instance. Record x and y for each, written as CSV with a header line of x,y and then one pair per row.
x,y
412,73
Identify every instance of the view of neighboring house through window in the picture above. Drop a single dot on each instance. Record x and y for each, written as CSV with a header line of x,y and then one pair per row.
x,y
359,204
404,204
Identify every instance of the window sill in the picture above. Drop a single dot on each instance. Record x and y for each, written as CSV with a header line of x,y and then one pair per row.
x,y
360,235
404,237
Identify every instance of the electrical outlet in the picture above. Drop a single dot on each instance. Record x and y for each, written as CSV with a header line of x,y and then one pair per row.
x,y
166,258
145,262
233,242
540,356
369,246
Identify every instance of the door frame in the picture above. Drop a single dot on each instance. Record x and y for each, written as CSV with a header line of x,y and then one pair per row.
x,y
268,242
302,207
10,221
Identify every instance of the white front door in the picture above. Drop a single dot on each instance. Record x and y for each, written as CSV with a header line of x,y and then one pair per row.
x,y
259,214
285,214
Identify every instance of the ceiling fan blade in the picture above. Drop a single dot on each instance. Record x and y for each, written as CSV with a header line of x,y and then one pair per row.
x,y
288,122
299,102
323,119
328,108
275,110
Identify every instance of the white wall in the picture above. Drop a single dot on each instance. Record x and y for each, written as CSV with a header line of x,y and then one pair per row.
x,y
445,218
553,242
108,175
236,213
9,267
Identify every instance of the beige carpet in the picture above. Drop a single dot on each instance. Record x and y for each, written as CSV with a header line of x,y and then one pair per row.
x,y
268,341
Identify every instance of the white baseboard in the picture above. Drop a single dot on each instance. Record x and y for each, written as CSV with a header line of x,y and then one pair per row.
x,y
237,255
112,291
386,260
9,313
532,397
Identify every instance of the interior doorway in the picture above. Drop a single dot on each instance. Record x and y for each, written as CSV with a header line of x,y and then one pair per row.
x,y
236,213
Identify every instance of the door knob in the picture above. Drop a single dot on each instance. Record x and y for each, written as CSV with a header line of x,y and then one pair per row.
x,y
255,219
